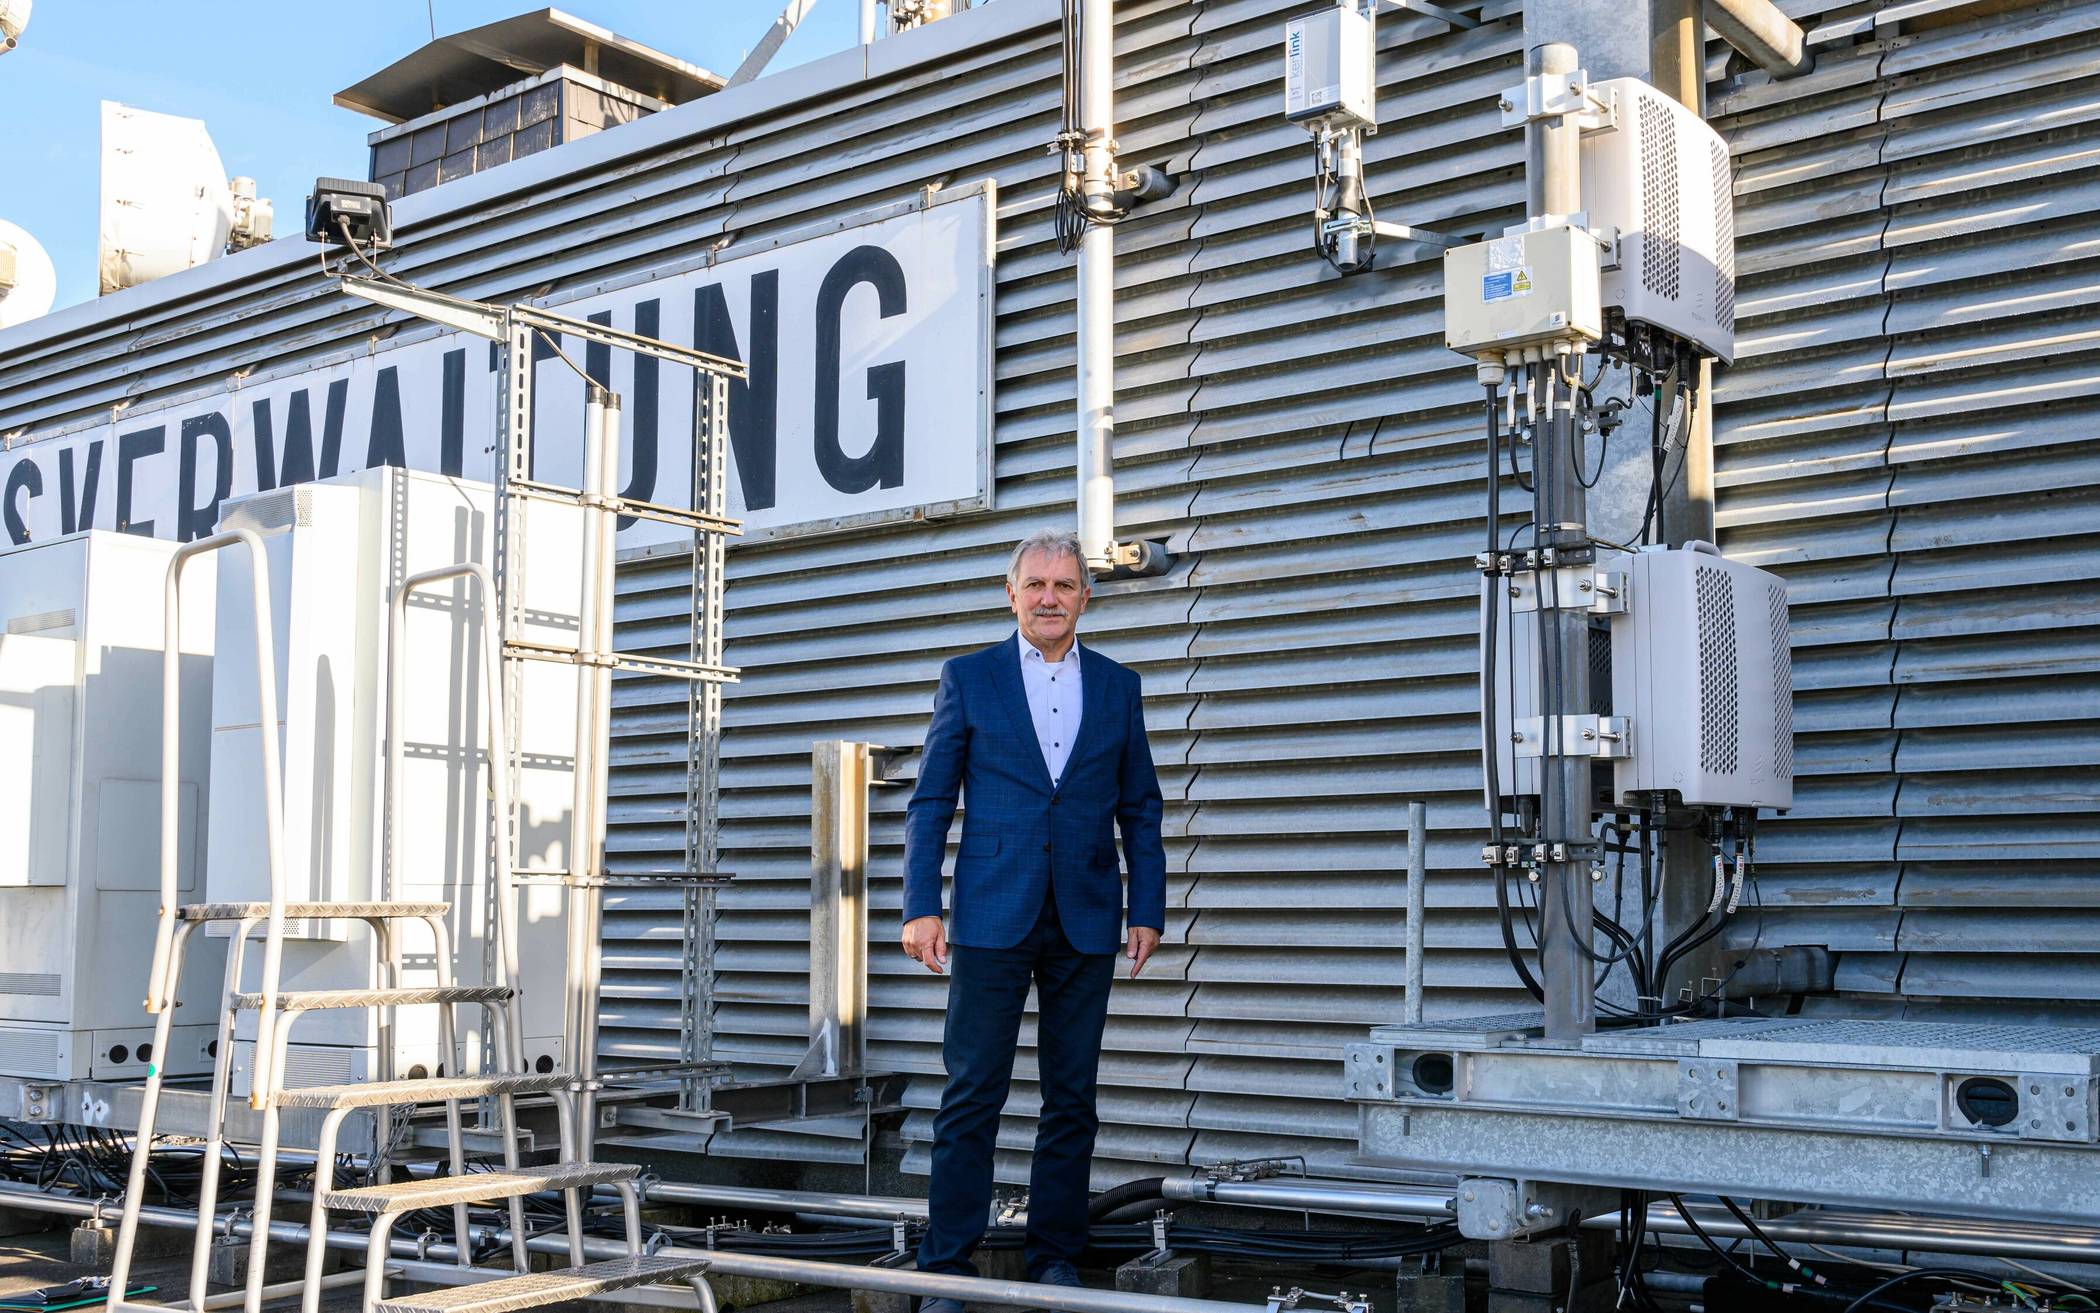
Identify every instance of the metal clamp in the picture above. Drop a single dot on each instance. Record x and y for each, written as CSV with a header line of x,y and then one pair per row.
x,y
1574,588
1606,737
1559,95
1010,1212
1253,1169
1346,1301
1160,1250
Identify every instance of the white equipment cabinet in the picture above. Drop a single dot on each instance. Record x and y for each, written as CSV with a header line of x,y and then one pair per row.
x,y
1663,179
1691,694
81,627
338,550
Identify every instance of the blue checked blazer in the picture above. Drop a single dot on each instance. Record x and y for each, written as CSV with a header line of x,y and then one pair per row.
x,y
1022,837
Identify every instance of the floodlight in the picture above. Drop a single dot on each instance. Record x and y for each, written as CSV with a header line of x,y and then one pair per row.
x,y
346,212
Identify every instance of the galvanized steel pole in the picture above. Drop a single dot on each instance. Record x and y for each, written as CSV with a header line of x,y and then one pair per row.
x,y
1417,903
1567,913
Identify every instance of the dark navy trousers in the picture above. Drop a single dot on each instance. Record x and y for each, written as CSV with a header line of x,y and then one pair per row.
x,y
986,992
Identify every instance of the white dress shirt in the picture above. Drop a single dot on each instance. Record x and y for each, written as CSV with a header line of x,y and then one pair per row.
x,y
1053,702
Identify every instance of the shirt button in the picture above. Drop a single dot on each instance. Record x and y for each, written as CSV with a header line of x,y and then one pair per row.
x,y
1046,847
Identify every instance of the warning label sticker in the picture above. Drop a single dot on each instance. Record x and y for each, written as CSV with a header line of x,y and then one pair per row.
x,y
1505,285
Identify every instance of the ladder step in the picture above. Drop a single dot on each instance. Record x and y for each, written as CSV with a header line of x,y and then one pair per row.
x,y
522,650
372,1094
641,510
316,1000
473,1188
324,911
537,1289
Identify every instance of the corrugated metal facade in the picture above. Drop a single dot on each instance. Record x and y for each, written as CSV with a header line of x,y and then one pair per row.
x,y
1904,440
1901,439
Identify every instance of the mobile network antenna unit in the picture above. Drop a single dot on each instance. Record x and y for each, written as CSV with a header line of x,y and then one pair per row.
x,y
1626,683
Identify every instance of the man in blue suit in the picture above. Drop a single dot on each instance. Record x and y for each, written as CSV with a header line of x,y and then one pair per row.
x,y
1046,741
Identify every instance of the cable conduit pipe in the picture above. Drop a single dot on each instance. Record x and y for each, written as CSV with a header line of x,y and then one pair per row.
x,y
1857,1228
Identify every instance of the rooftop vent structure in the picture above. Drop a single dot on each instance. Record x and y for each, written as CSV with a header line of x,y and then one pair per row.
x,y
476,99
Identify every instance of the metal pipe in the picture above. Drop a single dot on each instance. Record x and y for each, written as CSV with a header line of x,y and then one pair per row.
x,y
885,1209
1095,311
1417,904
1314,1196
1767,37
837,1276
867,22
1918,1235
1552,146
601,482
1553,187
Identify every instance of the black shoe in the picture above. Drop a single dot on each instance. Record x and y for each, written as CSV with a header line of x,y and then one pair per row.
x,y
1059,1273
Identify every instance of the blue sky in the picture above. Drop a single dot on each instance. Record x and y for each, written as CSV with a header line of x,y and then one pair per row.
x,y
260,75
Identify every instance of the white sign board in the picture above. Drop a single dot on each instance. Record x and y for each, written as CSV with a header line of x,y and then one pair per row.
x,y
869,349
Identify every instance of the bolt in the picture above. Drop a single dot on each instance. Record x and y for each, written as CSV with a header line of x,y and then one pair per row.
x,y
2069,1091
2034,1089
1504,106
1596,875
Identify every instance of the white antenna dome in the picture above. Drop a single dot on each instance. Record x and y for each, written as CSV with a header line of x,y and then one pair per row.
x,y
166,205
28,282
14,16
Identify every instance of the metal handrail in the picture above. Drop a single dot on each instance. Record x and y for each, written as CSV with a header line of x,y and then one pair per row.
x,y
161,990
499,760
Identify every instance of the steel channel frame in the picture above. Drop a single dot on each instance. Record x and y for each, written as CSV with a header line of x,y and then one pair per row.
x,y
1802,1130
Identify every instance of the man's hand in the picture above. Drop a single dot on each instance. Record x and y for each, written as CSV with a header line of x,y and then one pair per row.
x,y
1143,939
925,941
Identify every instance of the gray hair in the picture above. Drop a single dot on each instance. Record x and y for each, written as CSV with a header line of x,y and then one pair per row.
x,y
1057,542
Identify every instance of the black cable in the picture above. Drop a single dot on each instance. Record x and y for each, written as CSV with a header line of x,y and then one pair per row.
x,y
1692,1223
1948,1274
1758,1233
1491,754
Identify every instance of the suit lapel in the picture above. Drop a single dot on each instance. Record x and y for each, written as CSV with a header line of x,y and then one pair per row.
x,y
1093,700
1006,677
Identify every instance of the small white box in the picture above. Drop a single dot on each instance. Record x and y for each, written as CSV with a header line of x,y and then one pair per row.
x,y
1330,69
1525,289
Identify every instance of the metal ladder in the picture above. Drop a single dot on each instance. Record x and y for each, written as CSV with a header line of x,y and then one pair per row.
x,y
573,1088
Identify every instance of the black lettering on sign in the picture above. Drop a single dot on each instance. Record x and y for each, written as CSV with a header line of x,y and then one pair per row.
x,y
385,446
191,520
597,356
76,509
883,462
641,473
298,466
452,416
24,479
132,448
754,404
